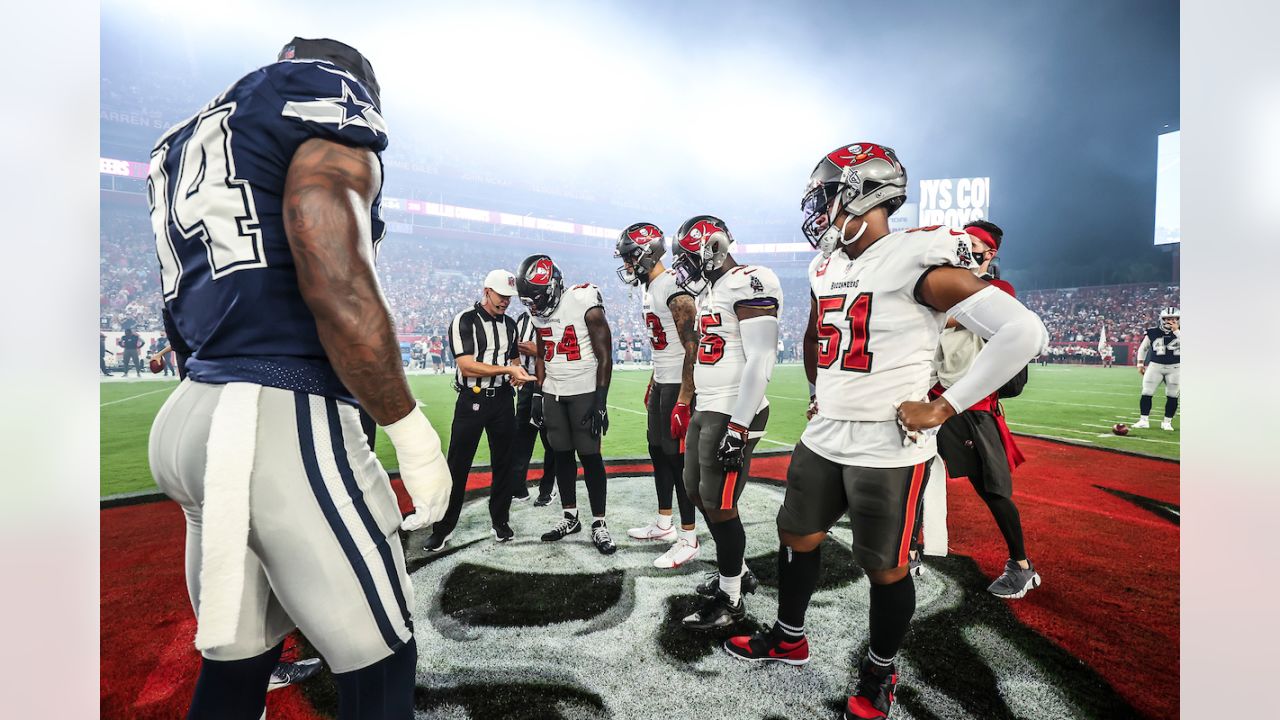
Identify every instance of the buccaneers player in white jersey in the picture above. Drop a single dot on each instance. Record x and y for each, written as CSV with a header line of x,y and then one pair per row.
x,y
573,369
738,308
669,314
879,301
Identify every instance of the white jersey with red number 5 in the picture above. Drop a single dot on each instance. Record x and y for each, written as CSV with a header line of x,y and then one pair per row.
x,y
668,353
876,341
566,347
720,357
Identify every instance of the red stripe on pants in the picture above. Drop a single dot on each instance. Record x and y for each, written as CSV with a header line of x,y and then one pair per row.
x,y
726,496
913,501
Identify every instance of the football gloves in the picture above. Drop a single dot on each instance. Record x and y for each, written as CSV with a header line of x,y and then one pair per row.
x,y
733,446
536,417
422,468
680,420
597,419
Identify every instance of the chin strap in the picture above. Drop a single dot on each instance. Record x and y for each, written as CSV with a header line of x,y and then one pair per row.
x,y
856,235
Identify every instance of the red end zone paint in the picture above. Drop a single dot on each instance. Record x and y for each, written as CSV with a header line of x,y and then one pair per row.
x,y
1110,568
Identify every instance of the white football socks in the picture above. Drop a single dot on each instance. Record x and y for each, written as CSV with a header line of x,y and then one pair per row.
x,y
663,522
732,586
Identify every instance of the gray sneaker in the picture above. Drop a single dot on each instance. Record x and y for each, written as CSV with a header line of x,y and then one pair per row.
x,y
1015,582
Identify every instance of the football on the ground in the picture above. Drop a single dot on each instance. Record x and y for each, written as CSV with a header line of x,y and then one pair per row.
x,y
1120,429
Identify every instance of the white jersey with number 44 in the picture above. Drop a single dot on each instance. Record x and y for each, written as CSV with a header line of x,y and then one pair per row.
x,y
720,356
566,347
668,352
876,341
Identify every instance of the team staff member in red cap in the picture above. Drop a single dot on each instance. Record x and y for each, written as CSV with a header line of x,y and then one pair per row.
x,y
977,443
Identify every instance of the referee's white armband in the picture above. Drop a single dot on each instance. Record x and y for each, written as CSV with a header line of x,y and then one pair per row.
x,y
1014,336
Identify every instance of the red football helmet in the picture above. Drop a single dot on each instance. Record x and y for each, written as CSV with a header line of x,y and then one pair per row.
x,y
857,178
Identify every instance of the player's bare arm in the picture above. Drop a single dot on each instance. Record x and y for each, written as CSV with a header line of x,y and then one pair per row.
x,y
328,194
1143,349
811,355
683,311
1014,336
327,198
601,339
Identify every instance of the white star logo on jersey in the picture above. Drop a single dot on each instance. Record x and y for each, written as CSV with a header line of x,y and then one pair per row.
x,y
343,111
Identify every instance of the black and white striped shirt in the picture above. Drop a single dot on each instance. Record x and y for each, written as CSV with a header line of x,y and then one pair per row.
x,y
526,332
488,338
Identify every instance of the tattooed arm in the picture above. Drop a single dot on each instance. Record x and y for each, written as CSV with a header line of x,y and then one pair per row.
x,y
685,314
327,199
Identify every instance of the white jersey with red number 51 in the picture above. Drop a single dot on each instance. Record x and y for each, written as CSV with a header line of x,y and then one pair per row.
x,y
566,347
876,341
668,353
718,372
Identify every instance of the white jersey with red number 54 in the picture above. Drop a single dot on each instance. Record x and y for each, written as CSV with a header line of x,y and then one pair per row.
x,y
876,341
720,357
668,353
566,347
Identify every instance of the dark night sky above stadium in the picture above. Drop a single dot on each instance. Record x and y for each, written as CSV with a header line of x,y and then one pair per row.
x,y
725,107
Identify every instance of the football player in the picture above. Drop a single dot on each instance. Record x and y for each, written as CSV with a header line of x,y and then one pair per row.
x,y
879,301
1159,358
266,211
668,313
573,369
738,308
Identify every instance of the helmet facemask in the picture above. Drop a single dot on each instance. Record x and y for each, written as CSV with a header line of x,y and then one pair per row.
x,y
821,205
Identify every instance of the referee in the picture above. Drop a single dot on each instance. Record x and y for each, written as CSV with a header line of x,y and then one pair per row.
x,y
483,340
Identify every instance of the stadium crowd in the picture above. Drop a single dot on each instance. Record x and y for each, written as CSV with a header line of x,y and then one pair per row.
x,y
426,282
1080,314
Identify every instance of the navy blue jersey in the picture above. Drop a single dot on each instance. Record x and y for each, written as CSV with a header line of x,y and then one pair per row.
x,y
215,191
1165,347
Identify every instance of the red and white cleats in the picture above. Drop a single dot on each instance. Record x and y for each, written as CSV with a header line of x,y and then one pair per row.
x,y
770,646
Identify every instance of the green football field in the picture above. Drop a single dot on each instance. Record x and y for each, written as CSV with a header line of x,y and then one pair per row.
x,y
1073,403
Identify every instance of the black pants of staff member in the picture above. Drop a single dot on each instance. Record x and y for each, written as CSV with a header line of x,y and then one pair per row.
x,y
490,412
131,358
522,452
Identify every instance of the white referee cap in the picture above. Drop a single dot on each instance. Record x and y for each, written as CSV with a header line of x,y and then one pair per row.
x,y
501,282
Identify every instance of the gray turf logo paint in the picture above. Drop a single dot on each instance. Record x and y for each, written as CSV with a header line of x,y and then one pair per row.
x,y
556,630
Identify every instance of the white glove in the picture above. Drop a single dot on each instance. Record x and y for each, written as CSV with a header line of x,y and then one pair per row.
x,y
422,468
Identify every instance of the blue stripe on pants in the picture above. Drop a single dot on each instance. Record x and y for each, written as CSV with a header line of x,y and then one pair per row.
x,y
362,508
302,405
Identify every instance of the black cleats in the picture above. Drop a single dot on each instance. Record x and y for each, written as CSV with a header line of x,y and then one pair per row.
x,y
717,613
568,525
503,533
601,538
876,688
435,542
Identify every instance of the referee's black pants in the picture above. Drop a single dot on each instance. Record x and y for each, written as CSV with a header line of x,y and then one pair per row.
x,y
490,412
522,452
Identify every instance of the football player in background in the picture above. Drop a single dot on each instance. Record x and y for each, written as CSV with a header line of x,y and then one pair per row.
x,y
878,303
573,381
669,312
1159,361
265,207
738,309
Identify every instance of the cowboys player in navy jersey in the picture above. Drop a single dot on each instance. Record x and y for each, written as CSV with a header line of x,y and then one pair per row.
x,y
1160,360
265,207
